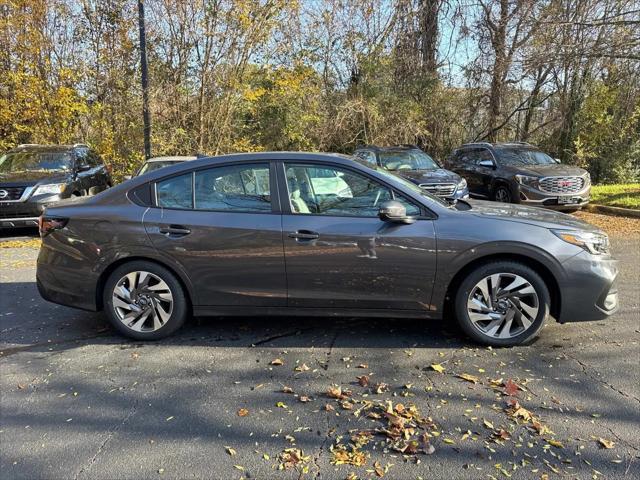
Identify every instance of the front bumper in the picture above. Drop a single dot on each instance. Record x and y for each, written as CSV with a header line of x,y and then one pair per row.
x,y
589,291
25,213
532,196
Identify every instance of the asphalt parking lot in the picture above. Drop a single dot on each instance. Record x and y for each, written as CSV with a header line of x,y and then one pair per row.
x,y
259,397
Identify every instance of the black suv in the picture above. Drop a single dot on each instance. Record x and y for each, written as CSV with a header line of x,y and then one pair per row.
x,y
410,162
520,173
34,176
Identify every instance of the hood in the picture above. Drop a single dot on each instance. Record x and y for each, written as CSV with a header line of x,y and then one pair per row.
x,y
29,178
555,170
439,175
532,215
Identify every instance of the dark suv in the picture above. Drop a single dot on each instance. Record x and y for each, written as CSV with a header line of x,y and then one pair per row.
x,y
34,176
410,162
520,173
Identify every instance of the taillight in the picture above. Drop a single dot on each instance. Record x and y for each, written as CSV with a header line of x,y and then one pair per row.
x,y
46,225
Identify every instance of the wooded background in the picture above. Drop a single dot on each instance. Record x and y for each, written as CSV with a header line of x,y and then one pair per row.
x,y
246,75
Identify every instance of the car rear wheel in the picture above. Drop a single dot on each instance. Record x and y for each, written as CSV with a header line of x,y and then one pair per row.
x,y
502,194
144,301
502,304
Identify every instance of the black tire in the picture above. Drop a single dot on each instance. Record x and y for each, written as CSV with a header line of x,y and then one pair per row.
x,y
469,283
179,311
502,193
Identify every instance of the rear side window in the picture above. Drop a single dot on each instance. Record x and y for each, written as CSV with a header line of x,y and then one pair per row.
x,y
176,192
236,188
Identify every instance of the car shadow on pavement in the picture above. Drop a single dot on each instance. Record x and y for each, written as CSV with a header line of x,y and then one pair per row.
x,y
30,323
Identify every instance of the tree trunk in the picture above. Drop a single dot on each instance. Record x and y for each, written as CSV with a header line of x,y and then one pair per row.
x,y
499,38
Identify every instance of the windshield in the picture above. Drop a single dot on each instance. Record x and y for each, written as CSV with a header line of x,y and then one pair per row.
x,y
519,156
151,166
407,160
35,161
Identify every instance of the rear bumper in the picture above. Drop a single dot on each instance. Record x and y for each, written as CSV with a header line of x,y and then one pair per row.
x,y
65,286
589,292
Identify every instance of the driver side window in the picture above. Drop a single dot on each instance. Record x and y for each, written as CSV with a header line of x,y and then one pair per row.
x,y
322,190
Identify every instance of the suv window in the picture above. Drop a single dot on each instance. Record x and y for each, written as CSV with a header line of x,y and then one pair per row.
x,y
238,188
338,192
368,157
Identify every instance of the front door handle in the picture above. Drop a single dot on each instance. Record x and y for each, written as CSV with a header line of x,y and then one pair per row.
x,y
304,235
174,230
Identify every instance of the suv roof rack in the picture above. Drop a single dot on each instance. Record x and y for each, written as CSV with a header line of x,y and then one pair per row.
x,y
477,143
28,145
80,145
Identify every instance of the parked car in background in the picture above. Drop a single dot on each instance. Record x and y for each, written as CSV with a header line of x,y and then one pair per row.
x,y
35,176
160,162
289,233
520,173
415,165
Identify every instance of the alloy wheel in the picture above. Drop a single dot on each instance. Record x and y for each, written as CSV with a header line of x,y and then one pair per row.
x,y
142,301
503,305
503,195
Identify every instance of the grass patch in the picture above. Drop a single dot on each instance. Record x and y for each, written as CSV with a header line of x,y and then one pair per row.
x,y
625,195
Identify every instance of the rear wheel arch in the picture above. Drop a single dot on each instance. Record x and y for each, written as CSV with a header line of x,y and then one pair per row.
x,y
540,268
104,276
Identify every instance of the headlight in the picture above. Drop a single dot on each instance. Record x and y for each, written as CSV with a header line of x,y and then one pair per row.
x,y
50,189
594,243
527,180
462,184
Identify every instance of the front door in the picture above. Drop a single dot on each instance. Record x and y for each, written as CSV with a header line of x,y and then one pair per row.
x,y
221,225
339,254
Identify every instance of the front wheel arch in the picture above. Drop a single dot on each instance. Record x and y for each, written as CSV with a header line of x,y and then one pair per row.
x,y
538,267
102,280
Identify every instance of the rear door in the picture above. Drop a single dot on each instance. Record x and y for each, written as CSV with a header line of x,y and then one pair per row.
x,y
222,226
339,254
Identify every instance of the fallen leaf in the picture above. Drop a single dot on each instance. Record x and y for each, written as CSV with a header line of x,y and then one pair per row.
x,y
605,443
281,405
381,387
363,365
555,443
488,424
468,378
287,390
230,451
302,368
304,399
511,388
437,367
277,362
329,408
378,469
243,412
363,380
239,467
21,386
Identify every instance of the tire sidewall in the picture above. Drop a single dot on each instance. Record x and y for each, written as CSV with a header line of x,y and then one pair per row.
x,y
180,307
483,271
506,189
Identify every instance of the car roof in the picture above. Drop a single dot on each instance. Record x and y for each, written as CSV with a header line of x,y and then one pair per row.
x,y
47,148
498,145
391,148
172,158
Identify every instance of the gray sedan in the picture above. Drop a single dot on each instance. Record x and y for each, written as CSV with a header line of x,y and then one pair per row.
x,y
289,233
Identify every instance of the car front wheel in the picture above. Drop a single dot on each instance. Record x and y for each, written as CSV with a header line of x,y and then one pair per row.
x,y
144,301
502,304
502,194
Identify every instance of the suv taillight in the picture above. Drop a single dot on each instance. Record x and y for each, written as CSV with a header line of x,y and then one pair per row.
x,y
46,225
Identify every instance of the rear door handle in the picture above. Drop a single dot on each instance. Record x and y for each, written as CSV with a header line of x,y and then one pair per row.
x,y
304,235
174,230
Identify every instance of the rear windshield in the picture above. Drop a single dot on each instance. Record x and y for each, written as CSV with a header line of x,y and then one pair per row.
x,y
35,161
407,160
520,156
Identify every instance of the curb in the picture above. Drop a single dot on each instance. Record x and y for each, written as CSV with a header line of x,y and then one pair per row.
x,y
623,212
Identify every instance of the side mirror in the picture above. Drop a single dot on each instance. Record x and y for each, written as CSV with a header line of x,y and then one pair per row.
x,y
83,168
127,177
394,211
486,163
557,160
